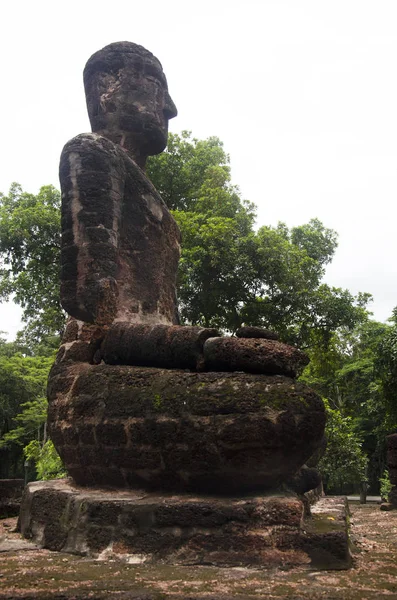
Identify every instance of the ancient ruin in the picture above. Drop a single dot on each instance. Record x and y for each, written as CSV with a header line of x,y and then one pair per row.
x,y
191,433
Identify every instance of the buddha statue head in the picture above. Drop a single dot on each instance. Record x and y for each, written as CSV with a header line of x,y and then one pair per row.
x,y
128,100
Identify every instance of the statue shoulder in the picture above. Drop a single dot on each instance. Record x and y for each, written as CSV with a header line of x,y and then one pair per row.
x,y
89,142
90,152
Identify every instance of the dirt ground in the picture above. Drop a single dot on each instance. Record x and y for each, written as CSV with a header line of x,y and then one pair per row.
x,y
30,573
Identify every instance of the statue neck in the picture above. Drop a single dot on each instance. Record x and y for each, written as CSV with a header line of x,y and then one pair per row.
x,y
130,145
137,158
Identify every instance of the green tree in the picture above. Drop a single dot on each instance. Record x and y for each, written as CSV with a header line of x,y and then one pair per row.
x,y
215,270
229,274
346,373
45,458
218,242
386,365
23,406
29,258
289,294
344,462
180,172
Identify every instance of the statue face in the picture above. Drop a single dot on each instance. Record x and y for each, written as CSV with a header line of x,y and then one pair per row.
x,y
149,102
128,101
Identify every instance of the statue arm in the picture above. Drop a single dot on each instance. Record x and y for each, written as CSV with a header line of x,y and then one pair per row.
x,y
92,182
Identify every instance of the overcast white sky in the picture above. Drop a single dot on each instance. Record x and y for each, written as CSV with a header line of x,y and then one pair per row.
x,y
303,94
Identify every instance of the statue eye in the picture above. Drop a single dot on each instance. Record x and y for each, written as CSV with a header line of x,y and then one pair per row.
x,y
154,79
152,73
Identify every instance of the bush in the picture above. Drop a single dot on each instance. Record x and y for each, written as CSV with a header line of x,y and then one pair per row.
x,y
46,459
385,485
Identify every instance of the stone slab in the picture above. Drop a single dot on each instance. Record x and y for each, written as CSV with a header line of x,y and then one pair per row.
x,y
253,355
7,545
327,533
142,527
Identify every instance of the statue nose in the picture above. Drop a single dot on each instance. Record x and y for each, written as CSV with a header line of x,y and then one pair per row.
x,y
170,110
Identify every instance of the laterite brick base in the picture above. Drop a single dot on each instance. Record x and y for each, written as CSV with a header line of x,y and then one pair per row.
x,y
265,531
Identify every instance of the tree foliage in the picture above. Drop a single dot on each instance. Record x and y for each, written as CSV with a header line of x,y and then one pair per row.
x,y
346,373
188,165
231,274
23,406
45,458
344,461
386,366
29,258
23,413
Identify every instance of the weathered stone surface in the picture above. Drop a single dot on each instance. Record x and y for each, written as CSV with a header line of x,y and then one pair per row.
x,y
393,475
314,495
256,332
391,458
261,531
135,426
156,345
163,432
318,454
170,429
170,528
127,98
120,244
306,479
391,455
253,356
327,539
10,496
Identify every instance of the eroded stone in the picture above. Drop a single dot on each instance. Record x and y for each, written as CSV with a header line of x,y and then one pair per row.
x,y
170,429
156,345
120,251
256,332
260,531
265,356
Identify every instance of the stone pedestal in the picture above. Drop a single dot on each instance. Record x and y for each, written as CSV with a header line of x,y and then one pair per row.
x,y
168,429
206,425
183,529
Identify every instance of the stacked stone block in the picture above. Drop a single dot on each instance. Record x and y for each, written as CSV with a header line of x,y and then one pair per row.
x,y
168,429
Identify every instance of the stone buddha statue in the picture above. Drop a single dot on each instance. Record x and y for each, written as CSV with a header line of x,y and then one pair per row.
x,y
135,399
120,244
190,430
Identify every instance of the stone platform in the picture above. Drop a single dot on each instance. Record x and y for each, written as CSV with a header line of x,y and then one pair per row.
x,y
142,527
